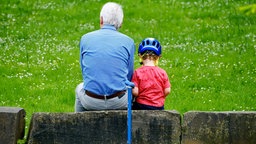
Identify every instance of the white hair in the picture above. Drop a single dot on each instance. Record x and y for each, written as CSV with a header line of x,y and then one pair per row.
x,y
112,14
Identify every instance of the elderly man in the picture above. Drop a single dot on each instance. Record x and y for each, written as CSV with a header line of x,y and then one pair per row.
x,y
107,59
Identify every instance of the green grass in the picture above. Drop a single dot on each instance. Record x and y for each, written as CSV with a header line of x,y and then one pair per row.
x,y
209,51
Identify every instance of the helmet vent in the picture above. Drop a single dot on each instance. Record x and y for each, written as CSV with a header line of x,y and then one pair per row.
x,y
147,42
154,43
157,45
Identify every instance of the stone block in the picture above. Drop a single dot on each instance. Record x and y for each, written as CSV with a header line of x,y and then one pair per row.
x,y
12,124
156,127
97,127
219,128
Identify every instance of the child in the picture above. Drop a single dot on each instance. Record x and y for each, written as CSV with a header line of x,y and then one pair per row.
x,y
151,82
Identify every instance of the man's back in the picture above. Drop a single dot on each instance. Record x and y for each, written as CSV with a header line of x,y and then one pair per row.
x,y
106,60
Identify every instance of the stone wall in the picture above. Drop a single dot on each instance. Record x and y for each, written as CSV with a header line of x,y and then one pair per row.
x,y
12,124
105,127
219,128
148,127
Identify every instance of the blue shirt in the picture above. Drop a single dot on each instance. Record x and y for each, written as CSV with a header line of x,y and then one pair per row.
x,y
107,60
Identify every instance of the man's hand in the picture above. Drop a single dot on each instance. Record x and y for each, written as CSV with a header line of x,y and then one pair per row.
x,y
128,83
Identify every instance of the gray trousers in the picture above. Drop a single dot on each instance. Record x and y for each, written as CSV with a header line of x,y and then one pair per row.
x,y
84,102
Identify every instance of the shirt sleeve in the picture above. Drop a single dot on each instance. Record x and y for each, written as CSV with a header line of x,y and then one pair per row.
x,y
135,79
167,83
131,63
81,53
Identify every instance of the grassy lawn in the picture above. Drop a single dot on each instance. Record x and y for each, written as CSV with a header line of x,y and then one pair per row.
x,y
209,51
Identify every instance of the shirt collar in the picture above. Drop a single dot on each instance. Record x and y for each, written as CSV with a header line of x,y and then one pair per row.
x,y
111,27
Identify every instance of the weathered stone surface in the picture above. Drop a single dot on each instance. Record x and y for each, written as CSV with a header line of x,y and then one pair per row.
x,y
12,124
156,127
104,127
219,128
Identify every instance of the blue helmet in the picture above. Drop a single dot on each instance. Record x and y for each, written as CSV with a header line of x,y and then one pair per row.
x,y
150,44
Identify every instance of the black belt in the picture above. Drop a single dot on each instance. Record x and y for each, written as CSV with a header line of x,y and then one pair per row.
x,y
93,95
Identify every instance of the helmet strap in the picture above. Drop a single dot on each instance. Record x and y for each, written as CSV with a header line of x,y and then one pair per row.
x,y
141,63
156,62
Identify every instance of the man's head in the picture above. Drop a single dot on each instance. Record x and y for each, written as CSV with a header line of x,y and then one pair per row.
x,y
112,14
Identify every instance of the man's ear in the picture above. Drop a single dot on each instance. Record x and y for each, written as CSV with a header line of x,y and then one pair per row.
x,y
120,25
101,21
